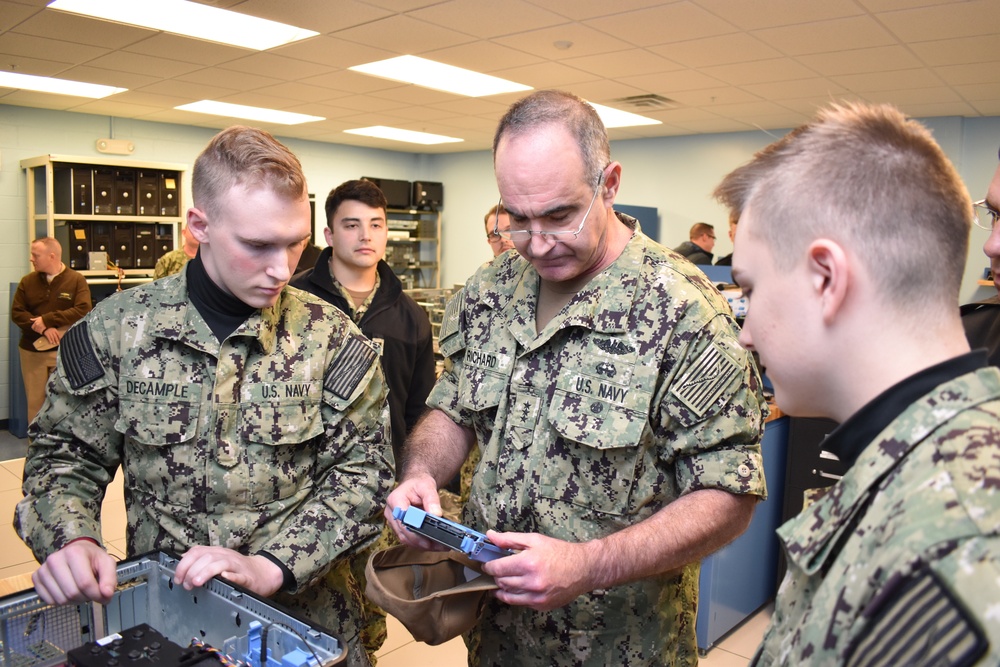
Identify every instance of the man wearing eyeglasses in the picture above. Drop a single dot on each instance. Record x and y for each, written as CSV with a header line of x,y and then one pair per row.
x,y
497,225
698,249
982,320
617,416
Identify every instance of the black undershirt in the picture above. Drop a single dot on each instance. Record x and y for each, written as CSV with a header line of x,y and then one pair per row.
x,y
849,439
222,312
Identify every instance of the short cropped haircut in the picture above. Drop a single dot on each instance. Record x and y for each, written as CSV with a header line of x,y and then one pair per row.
x,y
50,244
871,179
363,191
247,157
699,228
491,216
562,108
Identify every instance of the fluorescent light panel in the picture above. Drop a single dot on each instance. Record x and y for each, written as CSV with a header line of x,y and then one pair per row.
x,y
431,74
191,20
618,118
250,113
396,134
45,84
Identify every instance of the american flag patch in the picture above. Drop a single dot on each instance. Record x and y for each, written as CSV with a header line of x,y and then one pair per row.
x,y
706,379
349,367
78,357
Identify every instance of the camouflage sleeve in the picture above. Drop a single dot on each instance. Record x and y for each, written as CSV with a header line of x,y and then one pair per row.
x,y
451,343
711,412
354,471
74,449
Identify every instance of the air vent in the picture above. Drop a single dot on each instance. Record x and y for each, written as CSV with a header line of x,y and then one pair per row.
x,y
648,102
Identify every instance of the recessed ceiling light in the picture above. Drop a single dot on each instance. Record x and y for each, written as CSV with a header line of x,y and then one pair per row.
x,y
191,20
618,118
45,84
250,113
430,74
396,134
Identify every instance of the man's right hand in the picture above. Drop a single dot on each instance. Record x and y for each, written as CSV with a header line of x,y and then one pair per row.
x,y
419,491
79,572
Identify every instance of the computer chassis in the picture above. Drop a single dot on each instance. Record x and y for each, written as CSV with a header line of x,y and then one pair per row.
x,y
229,619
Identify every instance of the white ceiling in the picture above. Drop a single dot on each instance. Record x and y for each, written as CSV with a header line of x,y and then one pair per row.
x,y
728,65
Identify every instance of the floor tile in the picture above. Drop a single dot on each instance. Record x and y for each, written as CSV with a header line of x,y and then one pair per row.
x,y
744,639
9,480
450,654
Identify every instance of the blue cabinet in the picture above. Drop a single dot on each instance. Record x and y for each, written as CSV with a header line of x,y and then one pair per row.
x,y
741,578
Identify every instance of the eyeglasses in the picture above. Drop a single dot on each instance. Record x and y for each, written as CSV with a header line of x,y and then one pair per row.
x,y
524,234
985,212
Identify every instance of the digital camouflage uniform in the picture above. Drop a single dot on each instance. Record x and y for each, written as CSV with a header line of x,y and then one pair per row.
x,y
635,393
915,519
170,263
274,439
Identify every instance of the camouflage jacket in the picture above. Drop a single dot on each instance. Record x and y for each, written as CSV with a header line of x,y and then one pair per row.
x,y
170,263
275,439
636,393
913,527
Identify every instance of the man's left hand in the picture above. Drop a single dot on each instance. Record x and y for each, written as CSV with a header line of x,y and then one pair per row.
x,y
256,573
53,335
546,574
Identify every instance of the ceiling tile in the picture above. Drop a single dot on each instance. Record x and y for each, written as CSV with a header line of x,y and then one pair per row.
x,y
958,51
314,14
409,95
139,63
720,50
279,67
607,92
73,28
979,91
708,97
586,41
580,10
943,21
759,71
29,98
858,61
332,52
109,106
885,81
790,90
913,96
295,91
353,82
824,36
632,61
175,47
404,35
227,78
482,56
957,75
674,22
186,90
668,83
546,75
17,44
36,66
13,13
108,77
486,19
756,15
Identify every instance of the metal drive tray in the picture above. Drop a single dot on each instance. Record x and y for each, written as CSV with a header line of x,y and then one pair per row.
x,y
221,614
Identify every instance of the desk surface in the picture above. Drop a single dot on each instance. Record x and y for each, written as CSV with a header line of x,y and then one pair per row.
x,y
15,584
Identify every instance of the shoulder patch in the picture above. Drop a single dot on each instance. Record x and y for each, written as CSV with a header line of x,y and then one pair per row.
x,y
452,311
350,365
918,621
80,362
706,379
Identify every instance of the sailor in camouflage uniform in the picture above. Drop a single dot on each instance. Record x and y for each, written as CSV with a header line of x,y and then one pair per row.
x,y
851,247
250,419
618,417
